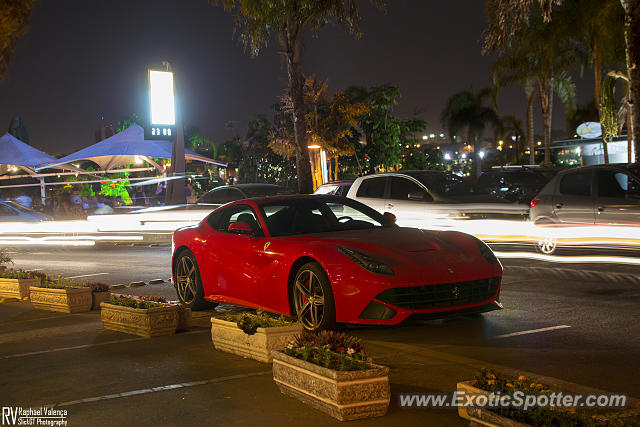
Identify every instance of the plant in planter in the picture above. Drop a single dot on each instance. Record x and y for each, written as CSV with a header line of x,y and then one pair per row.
x,y
331,372
143,316
253,335
61,295
487,383
99,293
16,283
4,258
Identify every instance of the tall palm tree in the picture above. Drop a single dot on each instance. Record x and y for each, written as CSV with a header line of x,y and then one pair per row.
x,y
287,20
543,54
513,67
467,114
510,129
507,17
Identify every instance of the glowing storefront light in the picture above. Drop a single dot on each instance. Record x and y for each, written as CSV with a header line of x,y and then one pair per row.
x,y
161,97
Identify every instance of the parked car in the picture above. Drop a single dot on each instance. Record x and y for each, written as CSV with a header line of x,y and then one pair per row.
x,y
231,193
417,198
328,260
15,212
336,188
514,183
592,195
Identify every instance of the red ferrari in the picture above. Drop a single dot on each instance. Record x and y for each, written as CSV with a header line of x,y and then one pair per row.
x,y
328,260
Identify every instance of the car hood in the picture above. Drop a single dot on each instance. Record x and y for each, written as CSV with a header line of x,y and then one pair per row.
x,y
405,245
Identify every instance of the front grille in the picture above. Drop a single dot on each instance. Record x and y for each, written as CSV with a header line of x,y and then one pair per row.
x,y
440,296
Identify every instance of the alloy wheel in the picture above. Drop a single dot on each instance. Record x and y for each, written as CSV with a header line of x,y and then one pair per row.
x,y
186,279
547,245
309,300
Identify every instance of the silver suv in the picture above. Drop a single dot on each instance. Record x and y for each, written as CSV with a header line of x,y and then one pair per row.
x,y
590,195
604,194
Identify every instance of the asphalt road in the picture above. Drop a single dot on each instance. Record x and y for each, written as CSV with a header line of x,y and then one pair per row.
x,y
574,322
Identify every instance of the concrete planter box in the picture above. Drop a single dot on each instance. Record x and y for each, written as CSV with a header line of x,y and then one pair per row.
x,y
16,288
345,395
149,322
99,297
228,337
68,300
184,318
481,416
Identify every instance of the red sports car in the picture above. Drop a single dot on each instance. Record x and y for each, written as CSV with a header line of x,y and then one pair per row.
x,y
328,260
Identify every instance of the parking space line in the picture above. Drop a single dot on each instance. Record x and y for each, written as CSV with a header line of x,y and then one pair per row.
x,y
532,331
87,275
161,388
78,347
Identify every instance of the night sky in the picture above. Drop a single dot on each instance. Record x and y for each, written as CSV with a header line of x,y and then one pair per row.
x,y
84,64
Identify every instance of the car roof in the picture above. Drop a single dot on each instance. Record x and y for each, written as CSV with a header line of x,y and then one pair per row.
x,y
620,167
284,197
343,182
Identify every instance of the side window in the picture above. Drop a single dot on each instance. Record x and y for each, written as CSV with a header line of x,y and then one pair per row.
x,y
612,184
372,188
576,184
342,190
7,211
402,187
221,219
616,184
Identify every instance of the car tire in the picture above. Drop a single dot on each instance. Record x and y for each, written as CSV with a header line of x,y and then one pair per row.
x,y
188,283
546,245
313,300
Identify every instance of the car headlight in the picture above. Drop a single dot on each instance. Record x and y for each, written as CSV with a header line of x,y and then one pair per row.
x,y
367,262
486,251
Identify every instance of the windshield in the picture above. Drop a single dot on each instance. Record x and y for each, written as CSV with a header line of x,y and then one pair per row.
x,y
319,215
19,207
446,184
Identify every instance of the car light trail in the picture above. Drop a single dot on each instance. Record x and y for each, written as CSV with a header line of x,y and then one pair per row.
x,y
569,259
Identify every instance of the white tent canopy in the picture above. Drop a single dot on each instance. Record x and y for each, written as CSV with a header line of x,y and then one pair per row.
x,y
14,152
126,147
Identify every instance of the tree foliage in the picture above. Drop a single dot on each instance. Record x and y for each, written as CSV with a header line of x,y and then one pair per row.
x,y
257,21
15,16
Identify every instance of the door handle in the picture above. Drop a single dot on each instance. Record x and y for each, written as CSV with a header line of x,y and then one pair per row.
x,y
559,205
389,205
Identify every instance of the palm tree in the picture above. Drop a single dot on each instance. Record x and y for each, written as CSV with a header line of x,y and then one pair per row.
x,y
507,17
510,128
467,115
513,67
257,21
543,54
14,23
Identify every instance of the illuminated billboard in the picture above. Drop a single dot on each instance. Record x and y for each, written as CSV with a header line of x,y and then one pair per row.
x,y
161,97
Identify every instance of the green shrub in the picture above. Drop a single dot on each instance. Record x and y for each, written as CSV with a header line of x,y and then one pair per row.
x,y
138,302
250,322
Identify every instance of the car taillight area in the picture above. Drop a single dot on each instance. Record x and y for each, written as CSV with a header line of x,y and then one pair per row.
x,y
534,202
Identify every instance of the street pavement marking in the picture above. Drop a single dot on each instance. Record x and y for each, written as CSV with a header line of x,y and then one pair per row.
x,y
532,331
77,347
87,275
161,388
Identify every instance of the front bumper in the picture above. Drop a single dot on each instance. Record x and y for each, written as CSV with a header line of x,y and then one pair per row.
x,y
391,305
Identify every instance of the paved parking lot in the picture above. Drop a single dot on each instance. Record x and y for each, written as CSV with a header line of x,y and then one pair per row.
x,y
560,326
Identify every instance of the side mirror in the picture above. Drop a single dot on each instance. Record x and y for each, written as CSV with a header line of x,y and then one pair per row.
x,y
240,227
416,196
391,217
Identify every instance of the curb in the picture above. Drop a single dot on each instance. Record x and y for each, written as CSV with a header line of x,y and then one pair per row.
x,y
568,273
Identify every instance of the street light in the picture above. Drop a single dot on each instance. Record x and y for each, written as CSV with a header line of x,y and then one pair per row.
x,y
481,154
